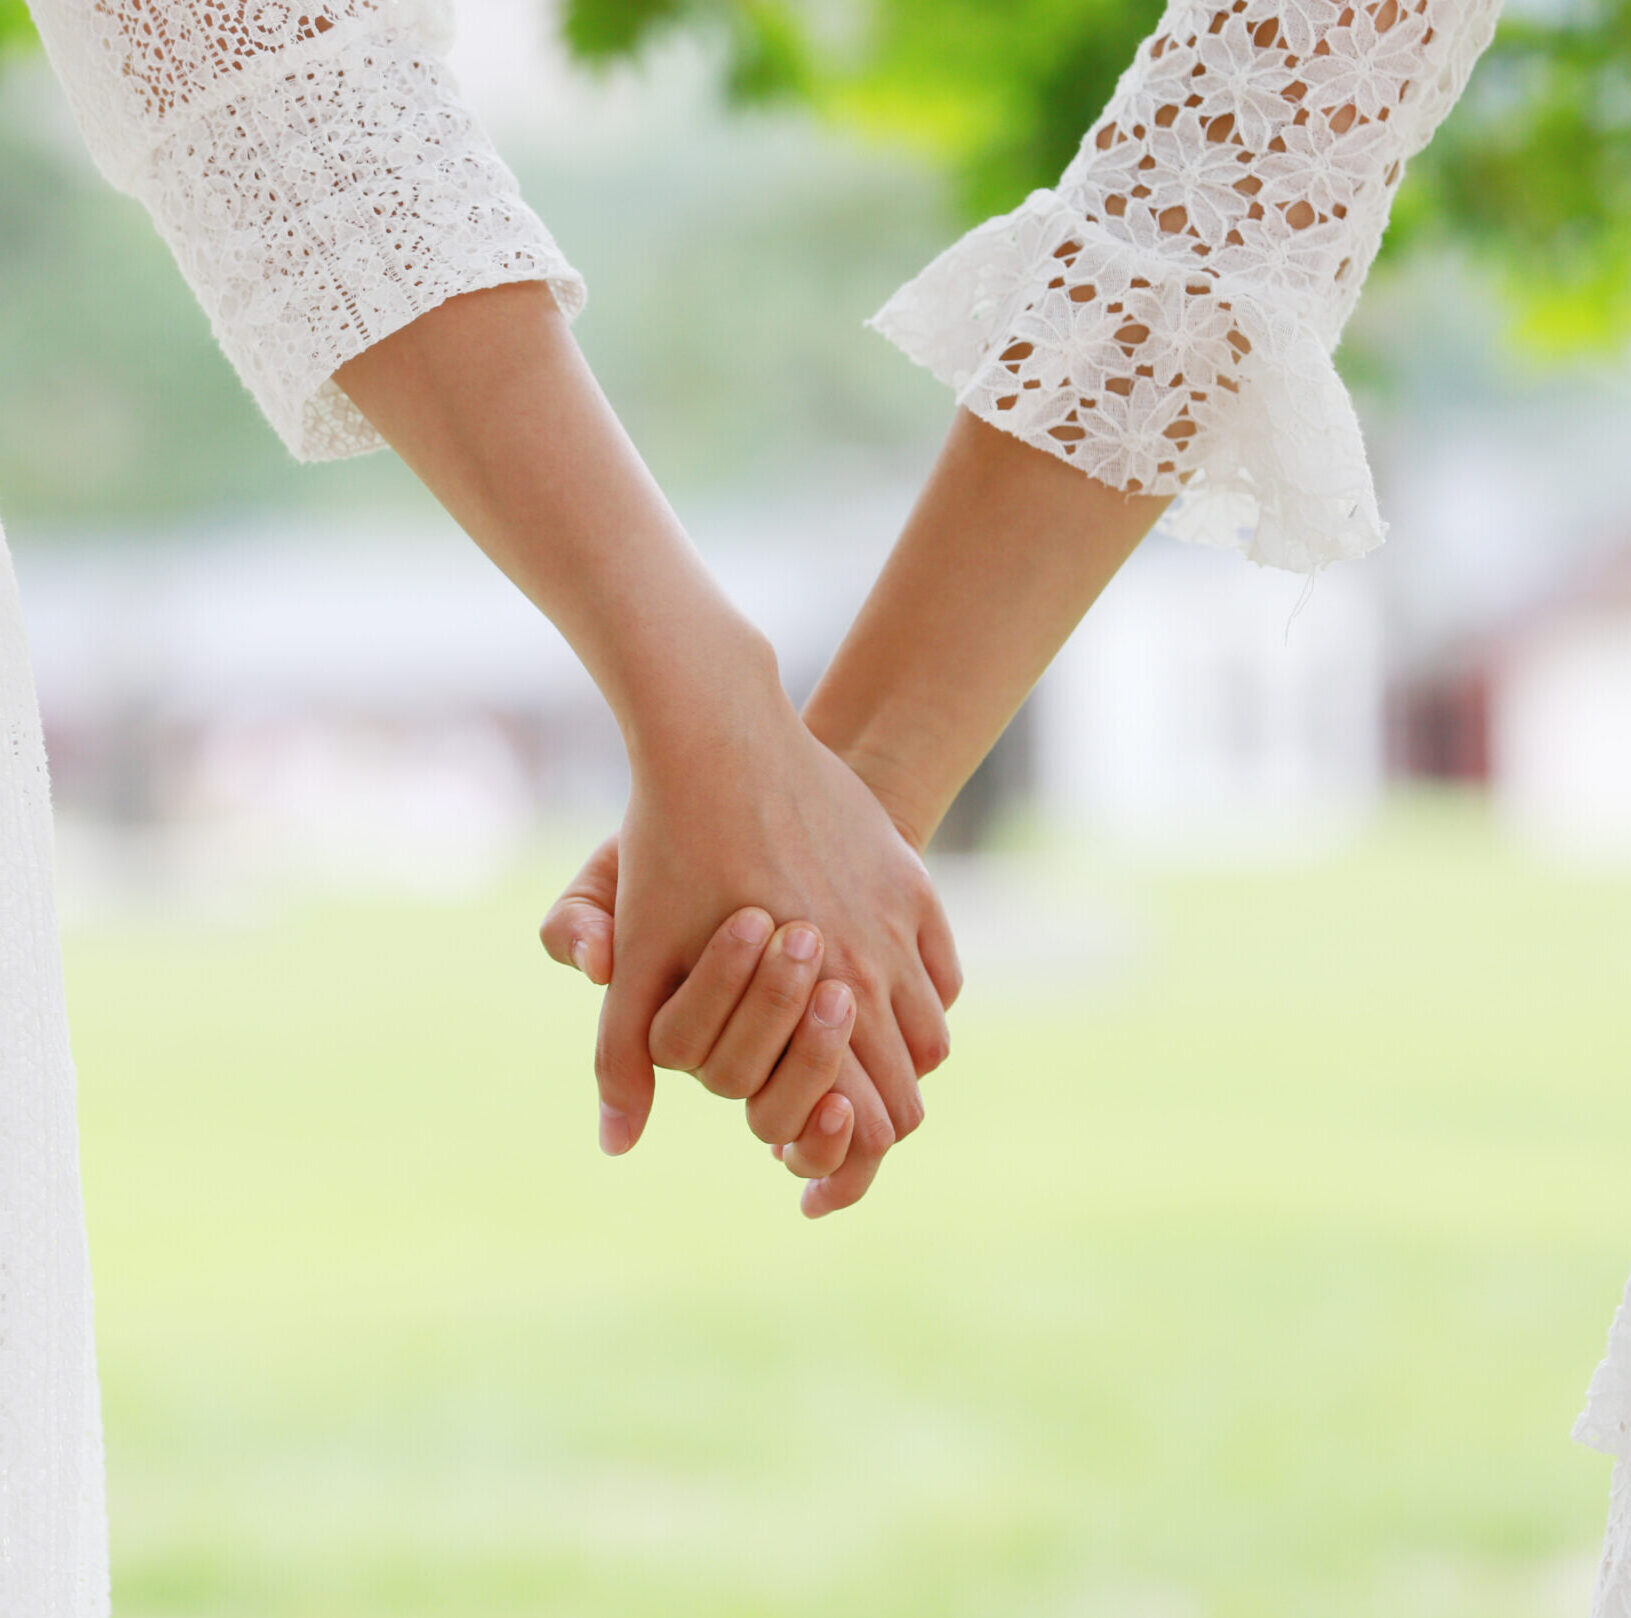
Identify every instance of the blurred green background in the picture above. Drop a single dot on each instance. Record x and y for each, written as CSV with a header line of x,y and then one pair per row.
x,y
1268,1218
861,132
1256,1275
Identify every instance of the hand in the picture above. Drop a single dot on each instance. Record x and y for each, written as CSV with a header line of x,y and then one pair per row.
x,y
828,844
729,1024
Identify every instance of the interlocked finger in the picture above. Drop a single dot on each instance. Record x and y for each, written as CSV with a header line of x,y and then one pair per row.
x,y
824,1144
881,1049
922,1023
747,1052
687,1028
781,1110
872,1137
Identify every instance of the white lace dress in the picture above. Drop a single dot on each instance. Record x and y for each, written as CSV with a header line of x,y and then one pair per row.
x,y
321,185
1163,318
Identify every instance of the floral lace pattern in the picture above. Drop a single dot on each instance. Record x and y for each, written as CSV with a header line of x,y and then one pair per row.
x,y
1164,317
314,171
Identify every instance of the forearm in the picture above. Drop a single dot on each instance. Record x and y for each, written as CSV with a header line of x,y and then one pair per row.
x,y
1164,317
488,399
1005,551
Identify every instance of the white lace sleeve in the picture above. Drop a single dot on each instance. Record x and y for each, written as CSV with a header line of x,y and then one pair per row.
x,y
313,170
1165,317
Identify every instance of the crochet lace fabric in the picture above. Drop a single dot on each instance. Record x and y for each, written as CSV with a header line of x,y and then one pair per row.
x,y
53,1536
1164,318
314,172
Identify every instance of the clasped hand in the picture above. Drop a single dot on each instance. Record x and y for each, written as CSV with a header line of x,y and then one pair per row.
x,y
819,1000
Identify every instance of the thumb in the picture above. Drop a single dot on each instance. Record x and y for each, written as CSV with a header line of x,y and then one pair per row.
x,y
578,929
623,1067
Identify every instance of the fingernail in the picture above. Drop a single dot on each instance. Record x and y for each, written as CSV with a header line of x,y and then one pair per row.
x,y
752,927
831,1004
801,944
616,1132
834,1115
580,955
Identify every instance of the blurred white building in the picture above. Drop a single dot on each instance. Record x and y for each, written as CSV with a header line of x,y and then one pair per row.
x,y
382,711
1212,709
374,709
391,709
1561,722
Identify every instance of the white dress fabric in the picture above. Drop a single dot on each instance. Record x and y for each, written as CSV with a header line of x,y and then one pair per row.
x,y
1164,317
1605,1424
314,171
53,1540
321,185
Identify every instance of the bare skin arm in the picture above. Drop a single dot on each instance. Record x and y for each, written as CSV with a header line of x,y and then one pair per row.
x,y
733,802
1000,559
1009,547
1005,551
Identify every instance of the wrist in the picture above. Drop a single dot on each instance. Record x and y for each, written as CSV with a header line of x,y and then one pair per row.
x,y
722,692
907,792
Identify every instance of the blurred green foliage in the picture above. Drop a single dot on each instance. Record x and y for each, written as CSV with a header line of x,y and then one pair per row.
x,y
118,408
1533,170
117,404
15,27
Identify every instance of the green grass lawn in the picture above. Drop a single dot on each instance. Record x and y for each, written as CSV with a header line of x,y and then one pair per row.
x,y
1258,1279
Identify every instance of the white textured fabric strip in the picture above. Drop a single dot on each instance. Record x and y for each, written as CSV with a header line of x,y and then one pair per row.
x,y
1605,1424
321,185
314,171
53,1534
1164,317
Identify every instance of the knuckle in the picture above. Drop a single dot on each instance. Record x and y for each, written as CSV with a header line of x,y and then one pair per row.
x,y
725,1081
874,1134
770,1124
933,1053
783,995
815,1049
814,1165
679,1052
